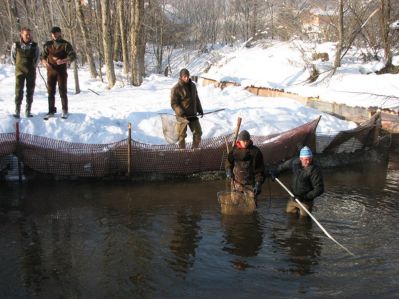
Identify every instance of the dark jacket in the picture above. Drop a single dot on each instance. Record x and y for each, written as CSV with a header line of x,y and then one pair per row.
x,y
246,164
58,49
307,183
185,101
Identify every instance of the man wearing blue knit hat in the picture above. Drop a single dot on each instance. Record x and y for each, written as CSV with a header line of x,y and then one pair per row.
x,y
307,181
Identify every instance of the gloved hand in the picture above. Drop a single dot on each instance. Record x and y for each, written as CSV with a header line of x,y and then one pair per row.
x,y
257,188
229,174
201,114
273,175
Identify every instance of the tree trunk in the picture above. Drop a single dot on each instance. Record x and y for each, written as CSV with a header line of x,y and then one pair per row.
x,y
340,45
107,43
385,9
86,41
13,18
74,66
254,17
100,50
116,48
76,77
122,29
137,39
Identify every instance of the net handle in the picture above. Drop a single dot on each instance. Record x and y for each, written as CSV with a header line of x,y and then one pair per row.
x,y
236,131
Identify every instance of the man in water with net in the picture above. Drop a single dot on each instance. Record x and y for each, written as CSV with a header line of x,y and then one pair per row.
x,y
245,167
307,181
187,105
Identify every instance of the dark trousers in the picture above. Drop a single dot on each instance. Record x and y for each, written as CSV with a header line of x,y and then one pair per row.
x,y
20,80
55,76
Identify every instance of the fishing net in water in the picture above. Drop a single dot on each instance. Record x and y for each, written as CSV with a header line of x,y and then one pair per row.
x,y
172,127
232,202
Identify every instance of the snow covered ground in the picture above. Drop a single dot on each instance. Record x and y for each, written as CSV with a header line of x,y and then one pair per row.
x,y
104,118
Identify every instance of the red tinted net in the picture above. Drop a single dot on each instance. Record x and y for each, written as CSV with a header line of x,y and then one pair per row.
x,y
57,157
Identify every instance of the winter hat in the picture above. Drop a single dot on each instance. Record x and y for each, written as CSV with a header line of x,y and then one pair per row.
x,y
184,72
305,152
244,135
55,29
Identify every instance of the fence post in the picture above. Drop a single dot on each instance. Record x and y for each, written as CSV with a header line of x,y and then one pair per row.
x,y
18,148
129,149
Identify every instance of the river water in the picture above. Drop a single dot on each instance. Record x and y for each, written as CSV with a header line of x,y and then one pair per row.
x,y
169,240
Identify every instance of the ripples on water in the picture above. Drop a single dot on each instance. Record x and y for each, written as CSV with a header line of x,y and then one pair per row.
x,y
114,240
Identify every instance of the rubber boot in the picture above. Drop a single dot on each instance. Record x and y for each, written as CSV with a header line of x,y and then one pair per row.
x,y
17,112
182,144
196,142
27,110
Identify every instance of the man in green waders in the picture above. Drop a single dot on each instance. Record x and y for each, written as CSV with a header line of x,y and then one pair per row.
x,y
25,55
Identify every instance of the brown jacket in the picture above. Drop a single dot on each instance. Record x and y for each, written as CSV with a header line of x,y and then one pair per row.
x,y
58,49
185,101
247,165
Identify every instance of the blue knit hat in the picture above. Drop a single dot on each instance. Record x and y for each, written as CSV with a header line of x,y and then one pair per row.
x,y
305,152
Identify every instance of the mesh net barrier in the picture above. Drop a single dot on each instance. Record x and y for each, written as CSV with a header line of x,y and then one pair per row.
x,y
57,157
8,144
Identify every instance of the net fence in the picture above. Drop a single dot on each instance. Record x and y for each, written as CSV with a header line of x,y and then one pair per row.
x,y
49,156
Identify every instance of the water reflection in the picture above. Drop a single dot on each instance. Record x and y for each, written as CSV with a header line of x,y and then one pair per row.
x,y
184,242
300,244
109,240
243,237
31,254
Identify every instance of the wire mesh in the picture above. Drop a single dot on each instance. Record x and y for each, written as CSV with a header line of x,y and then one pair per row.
x,y
57,157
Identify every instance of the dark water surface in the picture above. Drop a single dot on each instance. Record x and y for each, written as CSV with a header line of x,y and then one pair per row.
x,y
119,240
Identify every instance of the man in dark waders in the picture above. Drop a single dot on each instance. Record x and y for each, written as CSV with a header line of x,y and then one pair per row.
x,y
25,55
57,53
186,104
307,181
245,166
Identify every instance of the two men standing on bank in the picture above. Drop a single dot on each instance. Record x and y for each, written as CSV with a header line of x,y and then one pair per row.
x,y
186,104
57,52
25,55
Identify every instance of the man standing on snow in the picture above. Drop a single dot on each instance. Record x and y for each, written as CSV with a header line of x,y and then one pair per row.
x,y
56,54
307,181
186,104
25,56
245,166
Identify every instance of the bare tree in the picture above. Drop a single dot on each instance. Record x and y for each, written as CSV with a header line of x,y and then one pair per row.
x,y
194,24
88,49
107,42
385,12
340,45
137,39
13,17
96,15
122,30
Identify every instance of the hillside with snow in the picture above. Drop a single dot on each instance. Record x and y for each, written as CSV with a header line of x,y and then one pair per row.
x,y
100,115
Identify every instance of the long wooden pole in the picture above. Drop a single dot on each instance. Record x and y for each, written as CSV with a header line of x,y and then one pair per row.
x,y
234,139
18,152
314,219
129,150
236,132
